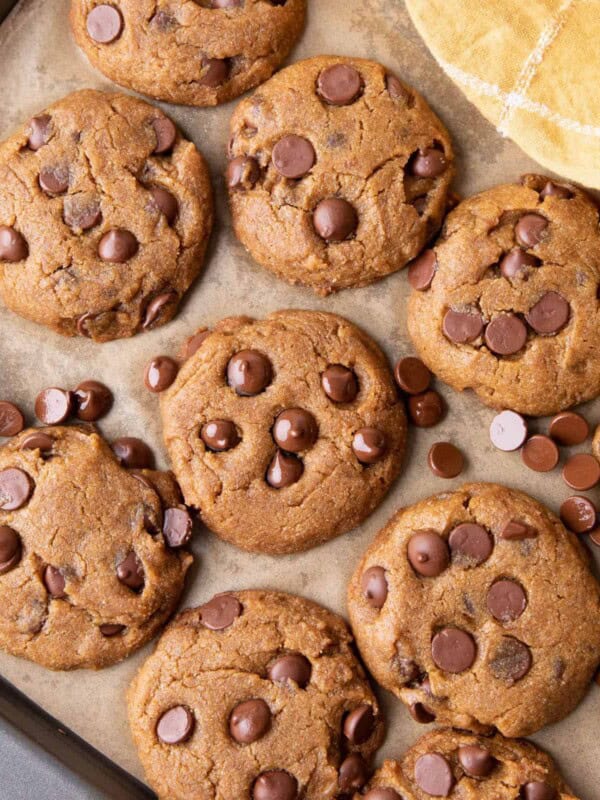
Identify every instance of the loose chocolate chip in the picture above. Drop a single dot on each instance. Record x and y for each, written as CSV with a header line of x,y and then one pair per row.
x,y
470,544
293,156
421,271
160,373
369,445
250,721
53,406
540,453
517,531
293,667
295,430
578,514
275,785
284,470
54,582
453,650
339,85
412,376
397,90
433,774
176,725
549,315
13,246
177,527
215,71
156,307
165,202
516,263
538,790
335,219
511,660
359,725
39,131
381,793
16,488
81,214
249,373
339,384
428,553
192,344
353,773
54,180
428,163
10,548
220,435
476,761
133,453
94,400
421,713
581,472
118,246
242,172
131,572
445,460
462,326
11,419
530,229
569,428
220,612
508,431
506,335
37,441
104,24
109,630
426,410
556,190
375,586
506,600
166,134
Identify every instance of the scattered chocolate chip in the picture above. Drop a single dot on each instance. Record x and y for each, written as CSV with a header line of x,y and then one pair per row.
x,y
166,134
177,527
175,726
215,72
165,202
54,582
13,246
569,428
11,419
412,376
335,219
110,630
293,156
249,721
581,472
369,445
54,180
538,790
421,713
353,773
220,435
156,307
249,373
243,172
339,383
515,264
428,553
453,650
160,373
462,327
506,335
359,725
375,586
556,190
530,230
508,431
192,344
511,661
397,90
517,531
275,785
118,246
540,453
476,761
433,774
578,514
81,214
445,460
37,441
104,24
295,430
421,271
39,134
133,453
470,544
220,612
10,547
506,600
93,400
426,410
339,85
53,406
131,572
428,163
284,470
549,315
293,667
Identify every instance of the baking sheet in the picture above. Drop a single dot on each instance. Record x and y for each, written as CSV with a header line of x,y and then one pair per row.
x,y
39,63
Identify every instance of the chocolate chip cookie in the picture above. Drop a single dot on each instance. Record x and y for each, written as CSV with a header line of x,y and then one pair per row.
x,y
506,303
338,173
105,213
255,695
90,558
449,763
284,432
199,53
478,609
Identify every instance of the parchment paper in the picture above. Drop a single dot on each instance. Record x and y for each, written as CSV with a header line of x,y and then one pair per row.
x,y
39,63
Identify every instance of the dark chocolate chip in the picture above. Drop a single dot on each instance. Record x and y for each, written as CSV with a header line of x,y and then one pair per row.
x,y
250,721
412,376
293,667
160,373
10,547
428,553
177,527
470,544
156,308
133,453
339,85
176,725
295,430
118,246
359,725
13,247
284,470
220,612
369,445
476,761
426,410
453,650
339,383
335,219
11,419
293,156
93,399
249,372
165,202
220,435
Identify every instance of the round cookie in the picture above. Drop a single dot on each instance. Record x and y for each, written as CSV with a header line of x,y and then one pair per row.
x,y
284,432
86,576
105,214
506,302
251,693
199,53
478,609
454,764
338,173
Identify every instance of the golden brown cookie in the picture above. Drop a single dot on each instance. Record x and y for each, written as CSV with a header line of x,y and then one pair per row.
x,y
338,173
196,52
105,214
284,432
90,558
478,609
506,302
255,695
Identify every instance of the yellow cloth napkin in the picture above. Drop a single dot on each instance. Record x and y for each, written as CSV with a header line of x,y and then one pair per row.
x,y
532,67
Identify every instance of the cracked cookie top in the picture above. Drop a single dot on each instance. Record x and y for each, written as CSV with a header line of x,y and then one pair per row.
x,y
338,173
195,52
506,303
86,571
255,696
105,213
471,606
284,432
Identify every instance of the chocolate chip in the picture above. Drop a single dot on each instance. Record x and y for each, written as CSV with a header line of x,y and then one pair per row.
x,y
284,470
80,214
118,246
54,180
511,661
131,572
569,428
353,773
160,373
476,761
250,721
54,582
428,163
133,453
339,85
293,156
176,725
556,190
453,650
516,263
335,219
445,460
428,553
381,793
581,472
165,202
506,335
177,527
369,445
540,453
110,630
156,307
249,373
10,547
39,128
359,725
530,230
104,24
462,326
508,431
215,71
412,376
421,713
242,173
595,539
166,134
11,419
295,430
422,270
397,90
192,344
225,3
37,441
53,406
578,514
375,586
220,612
538,790
433,774
94,400
275,785
549,315
13,246
506,600
470,544
293,667
426,410
517,531
16,488
220,435
339,383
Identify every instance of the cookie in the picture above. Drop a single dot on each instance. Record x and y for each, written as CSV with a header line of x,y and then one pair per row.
x,y
87,574
255,695
338,173
478,609
449,763
197,53
506,302
105,214
284,432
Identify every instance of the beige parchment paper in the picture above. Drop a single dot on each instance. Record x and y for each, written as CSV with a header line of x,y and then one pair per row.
x,y
39,63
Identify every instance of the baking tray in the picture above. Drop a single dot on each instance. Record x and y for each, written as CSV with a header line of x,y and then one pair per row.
x,y
39,63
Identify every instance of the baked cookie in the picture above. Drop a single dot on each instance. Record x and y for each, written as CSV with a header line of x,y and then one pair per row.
x,y
255,695
105,213
86,576
506,302
284,432
338,173
199,53
478,609
449,763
